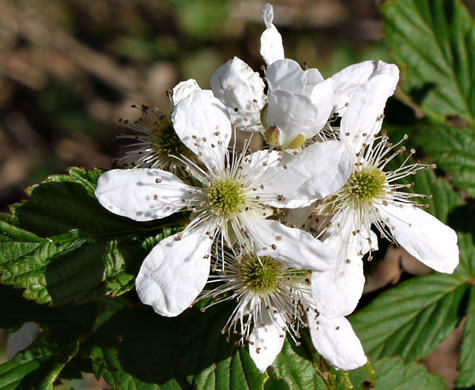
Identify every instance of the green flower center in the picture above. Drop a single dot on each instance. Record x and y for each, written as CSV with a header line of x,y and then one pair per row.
x,y
262,276
226,196
165,139
367,184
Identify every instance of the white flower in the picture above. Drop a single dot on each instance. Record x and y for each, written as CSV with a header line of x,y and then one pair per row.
x,y
373,197
230,199
273,299
242,92
300,101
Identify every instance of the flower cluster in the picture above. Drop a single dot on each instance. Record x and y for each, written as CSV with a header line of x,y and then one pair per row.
x,y
252,234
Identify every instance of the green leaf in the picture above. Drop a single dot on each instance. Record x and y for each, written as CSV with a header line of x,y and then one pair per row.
x,y
411,319
466,377
393,374
452,149
433,42
17,310
294,366
138,349
62,246
38,366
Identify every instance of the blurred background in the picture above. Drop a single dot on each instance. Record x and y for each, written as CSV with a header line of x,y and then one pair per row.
x,y
69,69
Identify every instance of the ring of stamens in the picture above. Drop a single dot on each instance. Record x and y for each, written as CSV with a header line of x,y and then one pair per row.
x,y
165,140
156,143
367,184
260,285
225,196
261,275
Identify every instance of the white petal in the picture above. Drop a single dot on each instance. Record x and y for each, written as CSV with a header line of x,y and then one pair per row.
x,y
336,341
291,247
337,292
362,120
381,78
175,271
383,81
313,76
142,194
423,236
271,40
202,123
322,97
316,172
184,89
267,338
21,339
242,91
267,14
237,85
293,115
286,75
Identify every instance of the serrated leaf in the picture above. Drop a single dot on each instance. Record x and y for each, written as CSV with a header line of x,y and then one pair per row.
x,y
467,254
294,366
411,319
64,247
38,366
139,349
393,374
466,377
452,149
433,42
